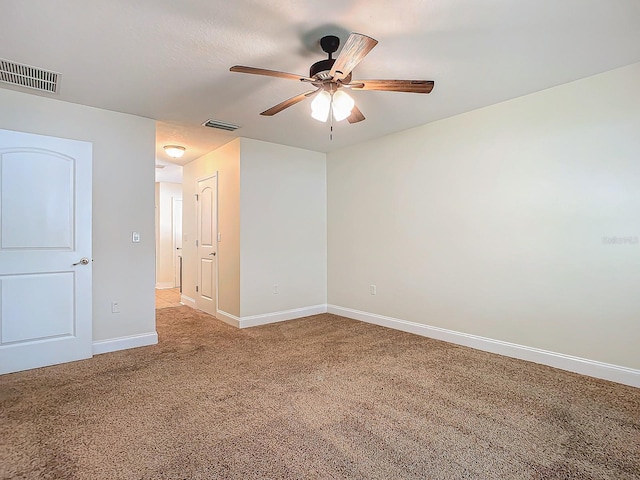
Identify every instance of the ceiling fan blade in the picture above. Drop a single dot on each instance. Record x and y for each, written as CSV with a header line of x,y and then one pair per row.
x,y
269,73
287,103
356,115
410,86
354,50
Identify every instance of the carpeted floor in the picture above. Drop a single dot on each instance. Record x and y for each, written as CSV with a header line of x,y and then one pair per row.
x,y
319,397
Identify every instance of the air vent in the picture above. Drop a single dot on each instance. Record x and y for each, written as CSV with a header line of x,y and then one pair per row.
x,y
30,77
230,127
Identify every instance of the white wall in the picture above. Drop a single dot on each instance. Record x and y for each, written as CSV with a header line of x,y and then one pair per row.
x,y
165,250
283,228
123,202
226,162
492,222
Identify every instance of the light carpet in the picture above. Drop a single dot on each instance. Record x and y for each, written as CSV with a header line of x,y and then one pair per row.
x,y
318,397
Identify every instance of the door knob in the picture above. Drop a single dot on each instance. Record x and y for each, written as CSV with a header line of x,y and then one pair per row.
x,y
214,254
83,261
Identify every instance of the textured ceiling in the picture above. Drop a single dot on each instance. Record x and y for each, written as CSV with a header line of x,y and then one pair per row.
x,y
170,60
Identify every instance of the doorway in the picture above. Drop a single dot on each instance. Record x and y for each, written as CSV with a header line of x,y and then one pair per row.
x,y
168,234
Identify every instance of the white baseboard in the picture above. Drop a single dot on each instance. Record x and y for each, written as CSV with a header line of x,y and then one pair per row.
x,y
263,319
187,301
123,343
592,368
228,318
164,285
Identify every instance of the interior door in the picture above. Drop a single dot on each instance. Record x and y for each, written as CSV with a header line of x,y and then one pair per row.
x,y
207,245
176,206
45,251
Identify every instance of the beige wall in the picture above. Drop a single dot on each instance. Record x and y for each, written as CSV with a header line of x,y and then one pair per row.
x,y
283,227
492,222
165,249
123,202
272,222
226,162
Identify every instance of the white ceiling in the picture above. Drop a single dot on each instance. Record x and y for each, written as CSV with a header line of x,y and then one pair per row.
x,y
169,60
168,171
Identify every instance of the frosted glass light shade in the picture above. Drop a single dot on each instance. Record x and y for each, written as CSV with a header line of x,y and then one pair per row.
x,y
174,151
342,105
321,105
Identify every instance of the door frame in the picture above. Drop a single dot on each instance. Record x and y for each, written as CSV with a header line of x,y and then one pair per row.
x,y
215,222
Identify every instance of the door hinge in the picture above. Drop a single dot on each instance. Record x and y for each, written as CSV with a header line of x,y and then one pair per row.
x,y
196,288
197,197
196,243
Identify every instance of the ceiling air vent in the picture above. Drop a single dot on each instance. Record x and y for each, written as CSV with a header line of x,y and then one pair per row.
x,y
30,77
230,127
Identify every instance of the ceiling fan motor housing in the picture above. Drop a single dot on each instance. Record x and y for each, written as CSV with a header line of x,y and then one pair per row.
x,y
320,67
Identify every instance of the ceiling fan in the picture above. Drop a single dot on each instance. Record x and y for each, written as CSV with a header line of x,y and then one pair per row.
x,y
331,76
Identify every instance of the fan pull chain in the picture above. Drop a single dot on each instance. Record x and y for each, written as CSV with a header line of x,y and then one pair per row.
x,y
331,116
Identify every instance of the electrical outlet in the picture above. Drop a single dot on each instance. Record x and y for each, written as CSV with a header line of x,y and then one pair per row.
x,y
373,290
115,307
135,237
275,289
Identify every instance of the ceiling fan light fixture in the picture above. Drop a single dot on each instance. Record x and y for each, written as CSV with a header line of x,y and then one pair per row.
x,y
174,151
342,105
328,76
321,106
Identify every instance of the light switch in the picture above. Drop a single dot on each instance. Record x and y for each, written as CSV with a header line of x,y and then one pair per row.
x,y
135,237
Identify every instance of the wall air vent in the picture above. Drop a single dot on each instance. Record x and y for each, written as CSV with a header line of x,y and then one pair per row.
x,y
230,127
27,76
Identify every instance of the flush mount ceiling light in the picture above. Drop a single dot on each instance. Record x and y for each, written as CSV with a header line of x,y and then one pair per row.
x,y
174,151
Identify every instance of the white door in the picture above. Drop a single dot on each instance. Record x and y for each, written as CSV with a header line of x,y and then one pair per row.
x,y
176,211
206,243
45,251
